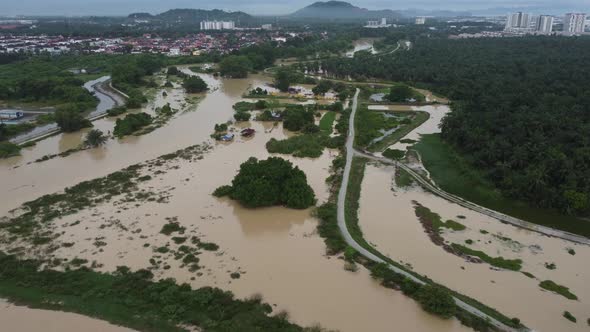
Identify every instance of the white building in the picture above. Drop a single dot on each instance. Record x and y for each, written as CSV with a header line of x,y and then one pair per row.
x,y
378,24
544,24
420,20
574,23
218,25
266,27
518,20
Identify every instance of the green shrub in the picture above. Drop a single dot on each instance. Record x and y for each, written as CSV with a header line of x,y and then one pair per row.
x,y
436,300
8,149
194,84
242,116
131,123
222,191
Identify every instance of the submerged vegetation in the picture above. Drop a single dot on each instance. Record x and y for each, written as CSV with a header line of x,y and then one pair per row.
x,y
501,262
559,289
134,299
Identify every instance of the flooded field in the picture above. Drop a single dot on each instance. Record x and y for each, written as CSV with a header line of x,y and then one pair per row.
x,y
388,221
276,252
23,319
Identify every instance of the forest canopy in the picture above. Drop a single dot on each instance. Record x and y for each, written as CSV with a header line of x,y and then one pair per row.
x,y
521,109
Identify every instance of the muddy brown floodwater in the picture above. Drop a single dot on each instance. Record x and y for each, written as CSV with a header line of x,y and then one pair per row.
x,y
388,221
23,319
276,251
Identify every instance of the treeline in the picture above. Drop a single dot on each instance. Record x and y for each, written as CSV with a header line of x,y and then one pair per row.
x,y
521,110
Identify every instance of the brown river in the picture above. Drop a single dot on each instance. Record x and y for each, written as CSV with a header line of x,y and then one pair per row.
x,y
277,251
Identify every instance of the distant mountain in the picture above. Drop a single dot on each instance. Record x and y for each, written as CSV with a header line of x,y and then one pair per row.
x,y
341,10
194,16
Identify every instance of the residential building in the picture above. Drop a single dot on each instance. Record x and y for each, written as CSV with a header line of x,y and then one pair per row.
x,y
544,24
518,20
420,20
574,23
218,25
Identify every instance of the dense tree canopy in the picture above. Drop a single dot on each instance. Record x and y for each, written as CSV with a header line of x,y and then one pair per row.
x,y
296,117
270,182
235,66
521,108
194,84
131,123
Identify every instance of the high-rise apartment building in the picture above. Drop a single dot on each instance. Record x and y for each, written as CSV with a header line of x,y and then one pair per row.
x,y
544,24
574,22
518,20
217,25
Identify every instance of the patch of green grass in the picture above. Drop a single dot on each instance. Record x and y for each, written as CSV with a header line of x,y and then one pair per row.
x,y
435,219
454,174
559,289
550,266
327,122
501,262
403,179
528,274
418,119
304,145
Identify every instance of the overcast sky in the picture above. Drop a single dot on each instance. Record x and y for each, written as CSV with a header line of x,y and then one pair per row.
x,y
264,7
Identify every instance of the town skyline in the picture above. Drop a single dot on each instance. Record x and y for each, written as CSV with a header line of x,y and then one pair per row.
x,y
267,7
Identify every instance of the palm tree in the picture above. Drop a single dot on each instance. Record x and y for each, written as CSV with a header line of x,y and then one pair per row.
x,y
95,138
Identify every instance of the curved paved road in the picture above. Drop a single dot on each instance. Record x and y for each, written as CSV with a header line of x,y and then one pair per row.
x,y
350,152
102,89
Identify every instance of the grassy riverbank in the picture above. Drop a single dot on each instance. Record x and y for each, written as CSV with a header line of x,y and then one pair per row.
x,y
455,175
134,300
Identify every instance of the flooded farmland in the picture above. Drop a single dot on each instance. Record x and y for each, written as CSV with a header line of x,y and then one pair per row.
x,y
276,251
388,220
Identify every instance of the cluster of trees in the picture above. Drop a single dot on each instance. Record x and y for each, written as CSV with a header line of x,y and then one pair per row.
x,y
286,76
521,110
70,119
297,117
128,75
235,66
194,84
401,93
269,182
131,123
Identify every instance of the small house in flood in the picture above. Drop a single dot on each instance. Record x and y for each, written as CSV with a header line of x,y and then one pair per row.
x,y
248,132
227,137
